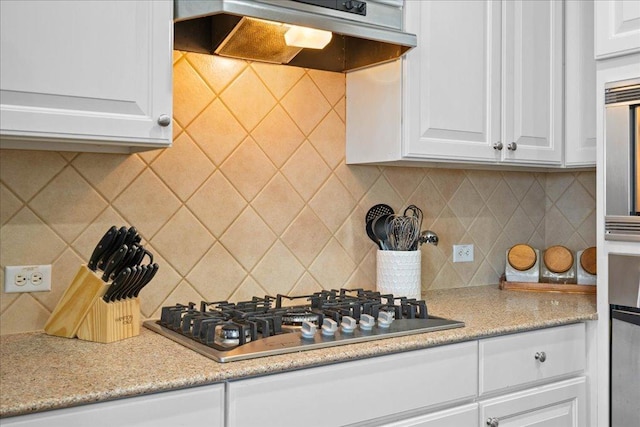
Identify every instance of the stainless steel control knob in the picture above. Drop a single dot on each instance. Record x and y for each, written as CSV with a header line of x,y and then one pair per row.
x,y
541,356
497,146
367,322
493,422
348,324
512,146
164,120
308,330
329,327
385,319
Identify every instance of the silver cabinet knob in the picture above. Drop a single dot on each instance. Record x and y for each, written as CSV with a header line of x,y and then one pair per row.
x,y
497,146
512,146
493,422
541,356
164,120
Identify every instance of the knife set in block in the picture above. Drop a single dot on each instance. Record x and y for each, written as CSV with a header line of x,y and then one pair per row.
x,y
83,313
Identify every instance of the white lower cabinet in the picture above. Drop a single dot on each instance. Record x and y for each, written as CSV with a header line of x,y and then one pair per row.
x,y
359,391
560,404
198,406
535,378
460,416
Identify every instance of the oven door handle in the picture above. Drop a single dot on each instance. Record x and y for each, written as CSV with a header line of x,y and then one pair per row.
x,y
626,316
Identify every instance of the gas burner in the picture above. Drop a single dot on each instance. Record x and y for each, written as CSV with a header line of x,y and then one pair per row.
x,y
268,325
296,316
229,334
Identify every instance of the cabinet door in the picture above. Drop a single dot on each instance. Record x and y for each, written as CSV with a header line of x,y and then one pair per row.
x,y
452,86
358,391
78,71
533,95
580,85
561,404
466,415
198,406
617,27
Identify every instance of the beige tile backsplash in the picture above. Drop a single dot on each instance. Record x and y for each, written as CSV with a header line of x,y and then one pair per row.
x,y
254,197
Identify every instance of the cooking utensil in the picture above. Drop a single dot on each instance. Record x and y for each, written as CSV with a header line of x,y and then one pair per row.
x,y
132,237
428,236
116,285
378,210
102,247
113,247
413,210
372,214
121,292
113,262
380,231
370,233
402,232
151,272
142,252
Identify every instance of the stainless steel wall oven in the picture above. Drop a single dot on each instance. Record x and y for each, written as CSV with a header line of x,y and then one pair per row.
x,y
622,160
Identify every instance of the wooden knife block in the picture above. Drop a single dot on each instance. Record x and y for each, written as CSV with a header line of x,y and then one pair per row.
x,y
82,313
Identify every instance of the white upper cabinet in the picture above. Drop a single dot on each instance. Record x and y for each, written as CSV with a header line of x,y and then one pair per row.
x,y
532,82
453,81
86,75
484,85
580,85
617,27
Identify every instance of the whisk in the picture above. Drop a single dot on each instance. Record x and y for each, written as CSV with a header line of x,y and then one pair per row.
x,y
403,232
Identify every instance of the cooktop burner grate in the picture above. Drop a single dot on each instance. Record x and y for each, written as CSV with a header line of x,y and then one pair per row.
x,y
263,326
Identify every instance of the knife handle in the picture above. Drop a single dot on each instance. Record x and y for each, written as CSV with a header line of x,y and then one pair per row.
x,y
114,262
102,247
121,278
136,273
146,279
117,242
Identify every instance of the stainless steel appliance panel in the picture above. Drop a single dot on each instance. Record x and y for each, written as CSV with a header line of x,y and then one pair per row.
x,y
622,161
618,160
624,292
624,280
625,368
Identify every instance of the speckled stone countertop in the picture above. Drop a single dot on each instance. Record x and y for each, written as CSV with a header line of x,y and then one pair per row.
x,y
40,372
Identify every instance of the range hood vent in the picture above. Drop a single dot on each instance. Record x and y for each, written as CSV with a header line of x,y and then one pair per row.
x,y
364,33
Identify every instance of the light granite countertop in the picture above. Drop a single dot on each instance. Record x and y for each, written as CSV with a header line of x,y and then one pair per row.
x,y
40,372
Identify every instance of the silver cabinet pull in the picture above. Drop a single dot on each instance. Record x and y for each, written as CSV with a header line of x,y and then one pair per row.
x,y
541,356
164,120
493,422
497,146
512,146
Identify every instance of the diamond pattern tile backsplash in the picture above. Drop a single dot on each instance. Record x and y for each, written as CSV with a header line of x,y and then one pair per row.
x,y
255,198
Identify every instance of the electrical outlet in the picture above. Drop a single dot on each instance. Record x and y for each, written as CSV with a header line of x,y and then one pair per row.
x,y
27,278
462,253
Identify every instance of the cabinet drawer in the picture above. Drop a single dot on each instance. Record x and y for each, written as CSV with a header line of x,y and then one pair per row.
x,y
466,415
358,391
531,357
187,407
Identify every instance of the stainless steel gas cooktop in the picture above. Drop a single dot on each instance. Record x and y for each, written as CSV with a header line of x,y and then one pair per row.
x,y
267,326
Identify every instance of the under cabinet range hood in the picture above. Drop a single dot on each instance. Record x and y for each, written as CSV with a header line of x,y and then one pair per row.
x,y
355,34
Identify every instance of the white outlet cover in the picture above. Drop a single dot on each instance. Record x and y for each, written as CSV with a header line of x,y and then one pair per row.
x,y
27,278
463,253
